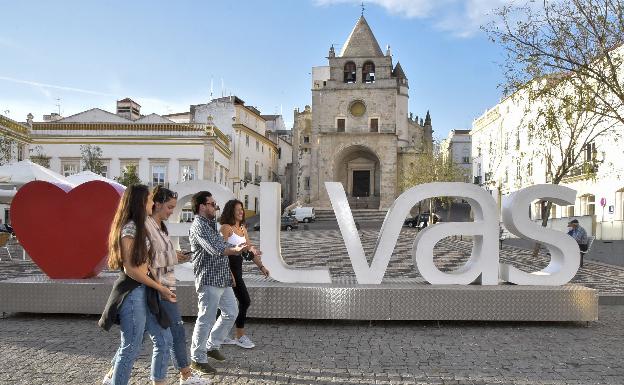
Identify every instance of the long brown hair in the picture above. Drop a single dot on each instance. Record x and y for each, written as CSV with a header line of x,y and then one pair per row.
x,y
227,216
162,195
131,208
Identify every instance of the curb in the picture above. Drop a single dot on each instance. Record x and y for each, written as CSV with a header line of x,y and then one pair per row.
x,y
611,299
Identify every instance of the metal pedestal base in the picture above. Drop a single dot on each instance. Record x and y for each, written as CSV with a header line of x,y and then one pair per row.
x,y
394,299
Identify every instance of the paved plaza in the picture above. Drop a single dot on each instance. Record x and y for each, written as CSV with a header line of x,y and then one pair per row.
x,y
71,349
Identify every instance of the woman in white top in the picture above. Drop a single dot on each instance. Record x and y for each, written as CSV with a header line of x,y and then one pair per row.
x,y
234,231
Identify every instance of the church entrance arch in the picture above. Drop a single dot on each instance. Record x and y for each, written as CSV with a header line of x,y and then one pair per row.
x,y
358,168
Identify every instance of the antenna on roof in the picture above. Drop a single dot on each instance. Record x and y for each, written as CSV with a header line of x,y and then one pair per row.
x,y
58,105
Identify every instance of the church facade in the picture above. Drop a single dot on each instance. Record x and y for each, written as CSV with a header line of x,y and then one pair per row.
x,y
358,130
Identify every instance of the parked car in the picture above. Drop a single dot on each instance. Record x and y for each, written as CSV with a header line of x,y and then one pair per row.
x,y
303,214
288,223
421,221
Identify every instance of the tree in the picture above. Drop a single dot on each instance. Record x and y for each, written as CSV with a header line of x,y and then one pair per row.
x,y
578,39
432,166
565,57
39,157
92,158
129,176
6,149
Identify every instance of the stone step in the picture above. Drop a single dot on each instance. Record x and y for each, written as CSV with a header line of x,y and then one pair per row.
x,y
362,215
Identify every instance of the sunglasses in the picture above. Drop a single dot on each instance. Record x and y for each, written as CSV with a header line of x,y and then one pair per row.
x,y
213,204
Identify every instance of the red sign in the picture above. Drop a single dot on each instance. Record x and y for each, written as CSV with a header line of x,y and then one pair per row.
x,y
65,230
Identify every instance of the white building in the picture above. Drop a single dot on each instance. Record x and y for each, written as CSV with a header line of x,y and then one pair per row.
x,y
255,154
163,151
457,148
506,158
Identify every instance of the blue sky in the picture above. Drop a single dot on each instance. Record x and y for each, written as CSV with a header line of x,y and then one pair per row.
x,y
166,54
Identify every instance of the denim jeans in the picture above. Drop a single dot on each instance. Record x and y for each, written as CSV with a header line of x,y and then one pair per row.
x,y
178,351
135,319
208,335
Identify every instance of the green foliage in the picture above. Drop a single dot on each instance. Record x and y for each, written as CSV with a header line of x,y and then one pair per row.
x,y
39,157
6,149
92,158
129,176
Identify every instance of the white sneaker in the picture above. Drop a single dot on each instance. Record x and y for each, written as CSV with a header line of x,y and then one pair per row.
x,y
228,341
245,342
194,380
107,380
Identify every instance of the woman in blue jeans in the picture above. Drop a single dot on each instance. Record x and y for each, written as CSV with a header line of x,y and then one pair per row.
x,y
134,302
165,258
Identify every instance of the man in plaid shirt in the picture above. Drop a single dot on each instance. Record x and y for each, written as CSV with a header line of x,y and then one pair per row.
x,y
213,282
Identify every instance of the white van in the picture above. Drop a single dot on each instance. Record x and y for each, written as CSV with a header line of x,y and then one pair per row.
x,y
303,214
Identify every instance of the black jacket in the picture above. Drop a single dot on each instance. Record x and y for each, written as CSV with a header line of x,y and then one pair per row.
x,y
122,286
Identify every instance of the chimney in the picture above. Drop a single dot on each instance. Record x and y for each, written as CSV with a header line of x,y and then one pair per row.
x,y
129,109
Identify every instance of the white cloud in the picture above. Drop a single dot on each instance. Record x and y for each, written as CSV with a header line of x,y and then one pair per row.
x,y
461,18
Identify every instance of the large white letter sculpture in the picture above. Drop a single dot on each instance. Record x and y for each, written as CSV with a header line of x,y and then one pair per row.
x,y
483,261
270,241
564,251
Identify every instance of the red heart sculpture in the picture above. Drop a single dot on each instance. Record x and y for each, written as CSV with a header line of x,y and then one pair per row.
x,y
65,230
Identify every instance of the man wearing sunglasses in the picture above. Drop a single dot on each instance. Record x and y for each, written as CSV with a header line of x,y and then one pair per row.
x,y
213,282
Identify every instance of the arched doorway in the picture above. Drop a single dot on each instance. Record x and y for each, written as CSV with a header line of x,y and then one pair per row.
x,y
358,168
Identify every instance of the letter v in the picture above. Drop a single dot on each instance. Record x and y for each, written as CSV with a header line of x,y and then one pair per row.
x,y
388,236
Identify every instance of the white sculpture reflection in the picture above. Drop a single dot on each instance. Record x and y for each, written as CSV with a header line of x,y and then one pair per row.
x,y
564,251
270,241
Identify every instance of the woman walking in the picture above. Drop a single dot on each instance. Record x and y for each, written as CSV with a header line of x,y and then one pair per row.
x,y
134,301
165,258
234,231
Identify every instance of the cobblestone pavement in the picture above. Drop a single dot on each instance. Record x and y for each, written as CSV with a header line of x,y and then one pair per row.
x,y
326,248
37,350
59,349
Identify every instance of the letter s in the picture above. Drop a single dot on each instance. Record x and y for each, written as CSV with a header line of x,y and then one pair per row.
x,y
564,251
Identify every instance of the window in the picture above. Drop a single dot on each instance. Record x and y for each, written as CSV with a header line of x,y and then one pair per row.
x,y
104,170
588,206
368,72
306,139
279,153
256,170
465,159
262,148
247,173
246,201
374,125
307,183
70,168
256,206
529,169
570,211
349,72
257,145
20,152
589,151
159,174
126,165
340,125
187,172
247,140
